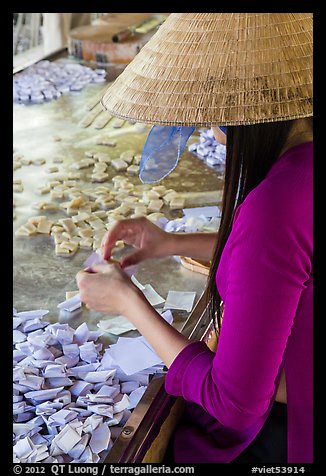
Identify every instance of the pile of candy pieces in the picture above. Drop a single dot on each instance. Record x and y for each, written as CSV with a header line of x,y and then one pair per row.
x,y
47,80
209,150
70,400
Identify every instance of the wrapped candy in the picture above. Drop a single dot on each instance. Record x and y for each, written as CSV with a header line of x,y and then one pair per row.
x,y
209,150
47,80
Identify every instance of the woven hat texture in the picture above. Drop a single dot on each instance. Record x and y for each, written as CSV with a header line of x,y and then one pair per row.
x,y
202,69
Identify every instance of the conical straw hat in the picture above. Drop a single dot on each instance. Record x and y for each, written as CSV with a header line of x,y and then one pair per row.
x,y
201,69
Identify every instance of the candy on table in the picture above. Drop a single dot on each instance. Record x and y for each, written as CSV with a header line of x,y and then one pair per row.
x,y
104,140
39,161
102,120
117,122
119,164
127,156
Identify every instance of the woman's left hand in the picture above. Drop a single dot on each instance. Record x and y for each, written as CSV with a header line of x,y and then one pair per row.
x,y
107,289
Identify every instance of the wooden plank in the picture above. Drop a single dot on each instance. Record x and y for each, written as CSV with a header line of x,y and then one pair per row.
x,y
156,451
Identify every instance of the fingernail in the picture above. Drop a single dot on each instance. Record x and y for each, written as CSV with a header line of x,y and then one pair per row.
x,y
89,270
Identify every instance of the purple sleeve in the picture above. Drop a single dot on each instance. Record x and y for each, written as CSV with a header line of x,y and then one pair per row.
x,y
270,250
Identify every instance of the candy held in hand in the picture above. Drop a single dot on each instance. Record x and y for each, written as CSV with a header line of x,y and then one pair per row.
x,y
95,258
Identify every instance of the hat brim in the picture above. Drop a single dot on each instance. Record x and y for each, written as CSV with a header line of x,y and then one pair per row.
x,y
201,69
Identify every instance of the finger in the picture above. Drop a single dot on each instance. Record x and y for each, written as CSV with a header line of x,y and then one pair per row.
x,y
117,232
80,276
89,269
125,230
104,268
134,258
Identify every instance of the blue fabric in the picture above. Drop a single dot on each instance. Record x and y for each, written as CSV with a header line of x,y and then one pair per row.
x,y
161,152
223,129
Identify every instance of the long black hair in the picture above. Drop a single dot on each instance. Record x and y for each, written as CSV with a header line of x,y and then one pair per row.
x,y
250,153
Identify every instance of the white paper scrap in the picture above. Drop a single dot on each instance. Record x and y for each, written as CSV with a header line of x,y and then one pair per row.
x,y
208,212
137,283
101,409
100,438
26,416
122,404
63,332
16,322
116,326
182,300
17,398
91,423
22,429
23,448
43,354
32,381
108,391
67,360
81,334
71,304
18,407
116,419
48,408
38,439
58,381
128,387
152,296
88,352
67,438
135,396
130,270
43,395
37,314
79,448
93,259
18,336
94,335
133,355
71,350
33,324
107,361
99,399
82,369
168,316
63,416
54,370
97,258
86,456
80,388
99,376
63,397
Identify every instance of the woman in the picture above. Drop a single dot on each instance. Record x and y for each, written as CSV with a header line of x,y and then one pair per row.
x,y
251,401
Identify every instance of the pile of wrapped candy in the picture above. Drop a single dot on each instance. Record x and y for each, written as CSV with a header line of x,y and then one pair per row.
x,y
70,399
47,80
193,224
199,219
209,150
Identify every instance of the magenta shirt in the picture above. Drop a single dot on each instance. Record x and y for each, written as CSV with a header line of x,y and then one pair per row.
x,y
265,280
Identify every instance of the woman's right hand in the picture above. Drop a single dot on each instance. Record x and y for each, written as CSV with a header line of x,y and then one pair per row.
x,y
150,240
